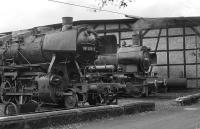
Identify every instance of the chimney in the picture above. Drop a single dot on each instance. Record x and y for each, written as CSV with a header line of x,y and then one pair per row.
x,y
67,23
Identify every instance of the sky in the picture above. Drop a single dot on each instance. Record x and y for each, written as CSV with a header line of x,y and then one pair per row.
x,y
24,14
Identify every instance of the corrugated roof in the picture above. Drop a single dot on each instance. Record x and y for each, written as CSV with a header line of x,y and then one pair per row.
x,y
80,22
107,21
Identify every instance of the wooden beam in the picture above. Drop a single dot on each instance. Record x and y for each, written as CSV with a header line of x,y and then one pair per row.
x,y
95,26
196,31
198,34
145,32
191,78
197,82
158,39
113,30
184,53
104,29
126,38
170,36
167,41
178,64
174,50
173,22
119,34
140,38
128,25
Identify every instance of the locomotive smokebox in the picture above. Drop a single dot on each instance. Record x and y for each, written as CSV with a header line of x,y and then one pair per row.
x,y
67,23
132,58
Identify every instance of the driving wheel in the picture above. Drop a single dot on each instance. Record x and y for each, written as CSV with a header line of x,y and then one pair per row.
x,y
5,87
134,90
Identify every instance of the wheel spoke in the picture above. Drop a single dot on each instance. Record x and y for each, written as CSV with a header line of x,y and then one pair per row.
x,y
5,99
23,100
5,87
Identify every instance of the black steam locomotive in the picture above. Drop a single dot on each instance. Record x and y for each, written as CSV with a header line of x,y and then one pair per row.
x,y
49,68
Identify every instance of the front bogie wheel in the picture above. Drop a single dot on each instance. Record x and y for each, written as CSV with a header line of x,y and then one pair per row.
x,y
71,101
94,98
11,109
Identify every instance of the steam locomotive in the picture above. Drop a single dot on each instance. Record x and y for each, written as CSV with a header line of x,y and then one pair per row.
x,y
130,67
49,68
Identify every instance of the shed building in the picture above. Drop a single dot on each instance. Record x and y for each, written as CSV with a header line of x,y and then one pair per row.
x,y
176,41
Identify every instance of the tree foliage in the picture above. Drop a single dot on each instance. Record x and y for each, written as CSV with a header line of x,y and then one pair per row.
x,y
119,3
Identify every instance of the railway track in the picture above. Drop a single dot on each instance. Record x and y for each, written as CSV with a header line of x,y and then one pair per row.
x,y
52,115
48,108
158,98
60,116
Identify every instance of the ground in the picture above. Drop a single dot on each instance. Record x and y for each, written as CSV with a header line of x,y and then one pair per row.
x,y
160,99
167,115
185,118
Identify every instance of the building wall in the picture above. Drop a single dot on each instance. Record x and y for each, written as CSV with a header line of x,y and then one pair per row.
x,y
178,53
122,32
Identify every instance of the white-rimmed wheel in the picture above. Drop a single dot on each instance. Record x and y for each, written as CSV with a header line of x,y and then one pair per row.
x,y
11,109
71,101
5,87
